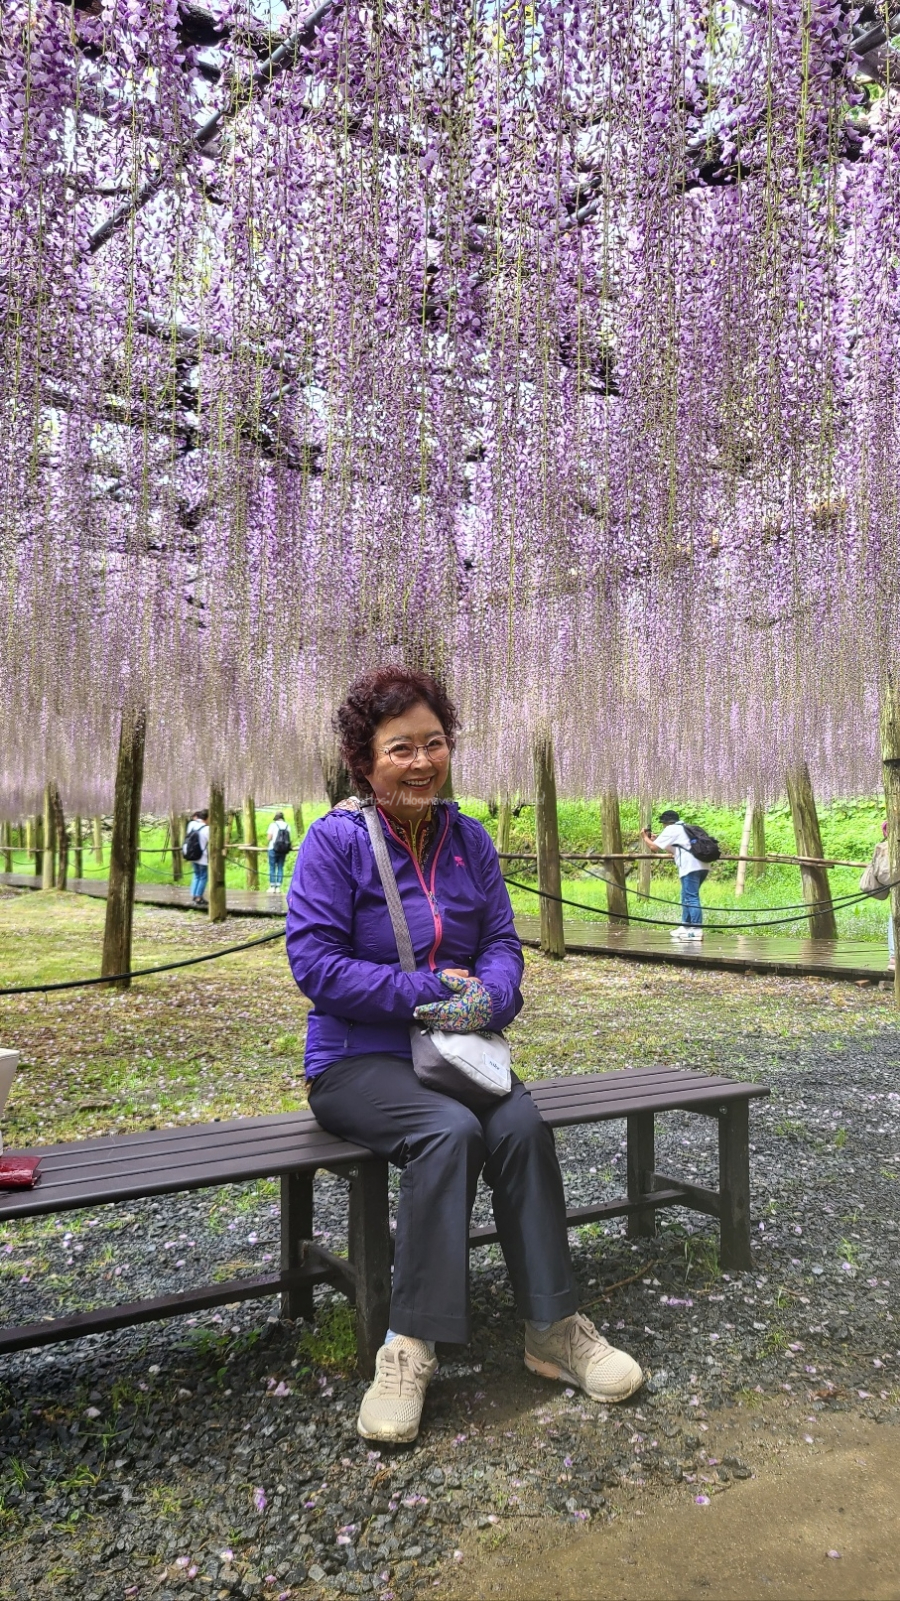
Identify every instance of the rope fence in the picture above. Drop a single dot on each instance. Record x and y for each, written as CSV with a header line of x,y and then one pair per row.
x,y
655,922
143,972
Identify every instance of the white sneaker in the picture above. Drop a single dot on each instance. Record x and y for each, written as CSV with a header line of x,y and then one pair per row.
x,y
695,933
573,1352
392,1405
680,934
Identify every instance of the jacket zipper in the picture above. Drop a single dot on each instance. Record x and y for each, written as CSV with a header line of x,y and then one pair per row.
x,y
429,893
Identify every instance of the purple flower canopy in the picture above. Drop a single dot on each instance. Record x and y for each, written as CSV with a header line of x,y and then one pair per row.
x,y
555,346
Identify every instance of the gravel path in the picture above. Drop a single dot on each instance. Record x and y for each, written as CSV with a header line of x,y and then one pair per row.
x,y
218,1457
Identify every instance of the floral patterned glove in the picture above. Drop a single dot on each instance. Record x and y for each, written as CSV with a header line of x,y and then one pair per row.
x,y
467,1010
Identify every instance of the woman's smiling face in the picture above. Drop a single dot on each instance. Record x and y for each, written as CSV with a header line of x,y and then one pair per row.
x,y
407,788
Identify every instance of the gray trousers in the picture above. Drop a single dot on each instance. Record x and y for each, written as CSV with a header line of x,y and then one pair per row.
x,y
442,1146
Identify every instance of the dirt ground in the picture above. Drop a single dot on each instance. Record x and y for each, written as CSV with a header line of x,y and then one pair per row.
x,y
818,1521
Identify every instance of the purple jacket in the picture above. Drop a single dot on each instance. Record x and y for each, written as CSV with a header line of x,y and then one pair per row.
x,y
341,945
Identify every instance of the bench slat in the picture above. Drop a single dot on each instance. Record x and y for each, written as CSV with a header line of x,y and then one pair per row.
x,y
127,1167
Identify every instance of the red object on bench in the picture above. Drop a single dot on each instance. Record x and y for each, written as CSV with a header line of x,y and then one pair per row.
x,y
19,1172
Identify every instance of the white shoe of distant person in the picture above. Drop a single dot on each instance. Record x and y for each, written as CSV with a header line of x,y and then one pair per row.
x,y
680,934
695,933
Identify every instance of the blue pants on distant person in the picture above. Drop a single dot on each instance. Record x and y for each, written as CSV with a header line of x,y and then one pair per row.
x,y
198,884
691,910
276,869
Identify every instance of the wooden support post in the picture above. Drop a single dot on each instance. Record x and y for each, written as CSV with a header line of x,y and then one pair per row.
x,y
616,894
176,837
734,1186
61,833
741,877
97,836
34,830
370,1257
504,828
338,783
48,860
78,841
124,847
758,841
816,888
645,867
218,909
890,757
6,844
641,1164
299,825
296,1232
547,846
251,838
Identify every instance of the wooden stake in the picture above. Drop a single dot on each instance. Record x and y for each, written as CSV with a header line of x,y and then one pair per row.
x,y
299,825
645,868
504,827
34,830
744,851
547,846
251,838
78,839
890,757
758,841
97,833
218,909
816,887
616,895
61,834
5,843
176,835
48,860
123,852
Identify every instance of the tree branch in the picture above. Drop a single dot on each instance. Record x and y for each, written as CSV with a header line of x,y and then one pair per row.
x,y
281,60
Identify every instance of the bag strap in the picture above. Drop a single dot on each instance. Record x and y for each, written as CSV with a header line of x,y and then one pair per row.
x,y
389,885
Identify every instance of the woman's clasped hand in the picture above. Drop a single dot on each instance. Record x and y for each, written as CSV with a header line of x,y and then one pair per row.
x,y
466,1011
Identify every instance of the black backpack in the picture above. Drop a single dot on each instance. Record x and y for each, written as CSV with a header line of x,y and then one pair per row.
x,y
192,849
703,846
281,844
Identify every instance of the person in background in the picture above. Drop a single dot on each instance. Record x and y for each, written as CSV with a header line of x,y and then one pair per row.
x,y
199,823
278,839
674,841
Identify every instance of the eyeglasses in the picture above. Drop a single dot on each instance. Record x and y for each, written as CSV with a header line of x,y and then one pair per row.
x,y
404,752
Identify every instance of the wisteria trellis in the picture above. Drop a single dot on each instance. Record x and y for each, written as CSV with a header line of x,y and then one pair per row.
x,y
552,343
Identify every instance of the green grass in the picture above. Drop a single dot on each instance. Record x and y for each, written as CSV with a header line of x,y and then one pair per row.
x,y
226,1039
850,830
332,1343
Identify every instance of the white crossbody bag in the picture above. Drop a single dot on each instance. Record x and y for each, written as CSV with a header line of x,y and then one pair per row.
x,y
472,1068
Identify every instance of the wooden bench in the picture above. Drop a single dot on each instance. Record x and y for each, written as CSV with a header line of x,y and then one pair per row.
x,y
129,1167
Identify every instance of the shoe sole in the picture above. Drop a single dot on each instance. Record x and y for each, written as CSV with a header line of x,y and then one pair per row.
x,y
552,1370
388,1439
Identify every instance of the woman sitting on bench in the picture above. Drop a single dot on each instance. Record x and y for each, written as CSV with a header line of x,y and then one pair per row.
x,y
397,732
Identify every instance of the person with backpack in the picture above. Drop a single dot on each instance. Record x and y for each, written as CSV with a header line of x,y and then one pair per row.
x,y
196,851
279,842
693,850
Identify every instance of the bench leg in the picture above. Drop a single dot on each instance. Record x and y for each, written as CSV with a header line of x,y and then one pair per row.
x,y
296,1229
370,1256
641,1163
734,1186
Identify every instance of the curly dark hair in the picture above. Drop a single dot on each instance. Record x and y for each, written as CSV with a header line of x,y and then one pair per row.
x,y
387,691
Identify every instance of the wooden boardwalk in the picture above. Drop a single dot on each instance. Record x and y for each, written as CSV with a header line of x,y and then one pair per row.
x,y
735,953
